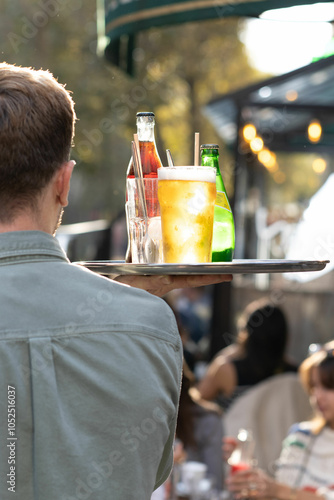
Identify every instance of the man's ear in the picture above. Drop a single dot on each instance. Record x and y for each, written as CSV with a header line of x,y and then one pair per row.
x,y
63,182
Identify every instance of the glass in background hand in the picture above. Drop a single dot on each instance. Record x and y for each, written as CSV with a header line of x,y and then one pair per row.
x,y
187,197
223,241
242,458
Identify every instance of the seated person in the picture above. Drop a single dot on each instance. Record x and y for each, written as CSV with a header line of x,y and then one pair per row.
x,y
305,468
259,353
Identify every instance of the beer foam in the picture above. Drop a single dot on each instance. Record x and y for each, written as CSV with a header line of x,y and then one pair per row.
x,y
203,174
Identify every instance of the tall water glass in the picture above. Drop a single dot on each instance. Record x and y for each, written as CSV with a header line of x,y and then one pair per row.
x,y
145,236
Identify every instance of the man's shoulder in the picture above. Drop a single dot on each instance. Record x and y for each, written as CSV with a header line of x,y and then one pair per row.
x,y
117,302
90,280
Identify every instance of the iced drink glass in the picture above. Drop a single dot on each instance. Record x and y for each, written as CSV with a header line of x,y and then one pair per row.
x,y
187,198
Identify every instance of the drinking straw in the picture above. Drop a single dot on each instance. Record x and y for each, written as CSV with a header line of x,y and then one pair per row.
x,y
140,169
139,176
169,158
196,152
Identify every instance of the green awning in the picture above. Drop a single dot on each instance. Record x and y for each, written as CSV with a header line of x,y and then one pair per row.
x,y
124,18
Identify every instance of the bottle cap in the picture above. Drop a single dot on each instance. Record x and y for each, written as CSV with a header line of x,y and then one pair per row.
x,y
209,146
145,119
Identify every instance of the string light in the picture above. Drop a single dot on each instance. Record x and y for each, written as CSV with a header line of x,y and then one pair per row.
x,y
256,144
291,95
279,176
319,165
264,155
267,158
274,167
249,132
314,131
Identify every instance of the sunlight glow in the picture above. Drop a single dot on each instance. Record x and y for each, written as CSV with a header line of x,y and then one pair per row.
x,y
293,37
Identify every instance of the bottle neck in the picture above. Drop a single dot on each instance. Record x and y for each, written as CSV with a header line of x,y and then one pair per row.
x,y
145,131
210,159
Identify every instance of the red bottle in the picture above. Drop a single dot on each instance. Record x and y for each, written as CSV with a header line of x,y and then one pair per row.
x,y
150,159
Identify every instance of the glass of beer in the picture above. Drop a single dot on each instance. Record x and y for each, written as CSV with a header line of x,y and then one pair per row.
x,y
187,198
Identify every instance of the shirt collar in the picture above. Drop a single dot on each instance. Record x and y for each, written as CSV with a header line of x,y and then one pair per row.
x,y
28,243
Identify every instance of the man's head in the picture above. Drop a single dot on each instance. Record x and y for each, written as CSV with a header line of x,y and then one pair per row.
x,y
36,131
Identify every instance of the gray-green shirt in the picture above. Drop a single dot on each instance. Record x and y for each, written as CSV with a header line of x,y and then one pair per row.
x,y
90,374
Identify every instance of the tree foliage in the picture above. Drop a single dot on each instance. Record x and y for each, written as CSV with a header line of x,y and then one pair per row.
x,y
178,70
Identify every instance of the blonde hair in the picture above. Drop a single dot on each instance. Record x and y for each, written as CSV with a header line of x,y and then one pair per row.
x,y
36,132
323,360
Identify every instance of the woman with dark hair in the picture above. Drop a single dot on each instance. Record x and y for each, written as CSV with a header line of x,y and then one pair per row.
x,y
257,354
305,469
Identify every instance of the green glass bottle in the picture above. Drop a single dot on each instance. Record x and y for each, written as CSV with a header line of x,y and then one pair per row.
x,y
223,226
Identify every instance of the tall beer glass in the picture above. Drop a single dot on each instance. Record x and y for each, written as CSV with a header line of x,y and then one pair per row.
x,y
187,198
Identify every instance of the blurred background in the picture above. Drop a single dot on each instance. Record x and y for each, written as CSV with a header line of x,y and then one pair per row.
x,y
257,82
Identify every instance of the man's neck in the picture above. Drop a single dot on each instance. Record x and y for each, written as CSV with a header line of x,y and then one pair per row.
x,y
25,222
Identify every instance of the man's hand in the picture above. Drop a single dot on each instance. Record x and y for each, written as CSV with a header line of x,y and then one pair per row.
x,y
160,285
